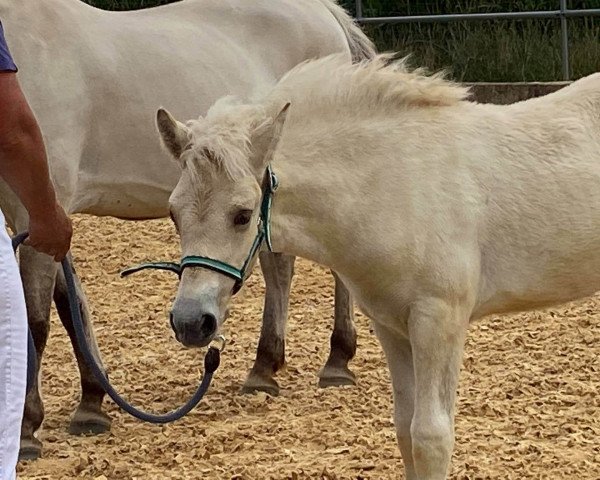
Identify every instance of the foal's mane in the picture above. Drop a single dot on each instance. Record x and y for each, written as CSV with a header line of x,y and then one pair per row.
x,y
320,88
382,83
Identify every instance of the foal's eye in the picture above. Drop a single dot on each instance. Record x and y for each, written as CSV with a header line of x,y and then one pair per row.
x,y
242,217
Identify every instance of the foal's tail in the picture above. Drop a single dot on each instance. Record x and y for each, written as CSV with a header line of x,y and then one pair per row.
x,y
361,47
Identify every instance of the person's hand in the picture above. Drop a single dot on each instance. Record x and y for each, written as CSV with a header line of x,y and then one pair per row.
x,y
50,233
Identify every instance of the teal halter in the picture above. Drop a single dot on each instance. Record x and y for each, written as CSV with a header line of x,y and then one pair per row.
x,y
238,274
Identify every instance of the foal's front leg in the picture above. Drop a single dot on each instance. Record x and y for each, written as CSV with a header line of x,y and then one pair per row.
x,y
278,270
437,331
399,359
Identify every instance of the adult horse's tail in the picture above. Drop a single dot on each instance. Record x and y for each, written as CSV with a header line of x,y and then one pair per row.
x,y
361,47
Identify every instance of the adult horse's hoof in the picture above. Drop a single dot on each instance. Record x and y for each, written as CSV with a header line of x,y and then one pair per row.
x,y
89,423
259,383
336,377
31,449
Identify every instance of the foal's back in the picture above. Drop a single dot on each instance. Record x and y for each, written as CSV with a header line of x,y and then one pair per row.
x,y
542,232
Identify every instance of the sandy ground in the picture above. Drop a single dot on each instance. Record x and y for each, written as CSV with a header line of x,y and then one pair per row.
x,y
529,404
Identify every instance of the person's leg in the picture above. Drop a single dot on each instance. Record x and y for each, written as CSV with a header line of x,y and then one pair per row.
x,y
13,356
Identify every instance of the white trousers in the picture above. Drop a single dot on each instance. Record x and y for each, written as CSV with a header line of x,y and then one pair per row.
x,y
13,356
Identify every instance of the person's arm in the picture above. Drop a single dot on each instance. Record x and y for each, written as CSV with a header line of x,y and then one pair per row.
x,y
24,167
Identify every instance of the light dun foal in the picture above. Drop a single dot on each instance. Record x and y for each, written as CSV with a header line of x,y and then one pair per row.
x,y
434,210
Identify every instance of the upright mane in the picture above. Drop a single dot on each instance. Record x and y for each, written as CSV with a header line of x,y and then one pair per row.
x,y
331,86
223,138
382,83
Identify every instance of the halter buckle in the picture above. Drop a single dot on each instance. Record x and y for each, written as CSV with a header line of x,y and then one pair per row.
x,y
219,342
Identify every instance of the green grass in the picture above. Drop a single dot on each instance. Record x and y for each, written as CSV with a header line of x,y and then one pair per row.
x,y
503,51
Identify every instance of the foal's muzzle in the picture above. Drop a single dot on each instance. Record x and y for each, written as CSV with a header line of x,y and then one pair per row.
x,y
193,324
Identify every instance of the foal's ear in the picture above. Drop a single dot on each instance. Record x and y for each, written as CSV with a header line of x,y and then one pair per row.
x,y
266,138
174,134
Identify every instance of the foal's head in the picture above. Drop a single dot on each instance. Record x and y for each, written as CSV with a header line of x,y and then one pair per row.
x,y
216,205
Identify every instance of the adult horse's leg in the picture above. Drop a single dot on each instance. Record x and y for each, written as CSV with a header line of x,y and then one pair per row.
x,y
38,273
278,270
343,341
437,331
89,417
399,358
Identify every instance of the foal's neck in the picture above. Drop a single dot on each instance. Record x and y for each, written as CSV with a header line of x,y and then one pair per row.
x,y
314,208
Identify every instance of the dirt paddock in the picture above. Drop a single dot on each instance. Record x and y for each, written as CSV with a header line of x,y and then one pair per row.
x,y
529,393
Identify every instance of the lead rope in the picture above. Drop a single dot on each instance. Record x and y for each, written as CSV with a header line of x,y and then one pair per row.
x,y
211,359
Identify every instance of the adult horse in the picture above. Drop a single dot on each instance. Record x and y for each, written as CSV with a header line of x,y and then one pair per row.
x,y
92,78
464,210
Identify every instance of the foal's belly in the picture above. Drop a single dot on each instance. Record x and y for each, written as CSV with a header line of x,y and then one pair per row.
x,y
532,291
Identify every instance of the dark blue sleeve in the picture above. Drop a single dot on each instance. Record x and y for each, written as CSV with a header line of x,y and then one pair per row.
x,y
6,61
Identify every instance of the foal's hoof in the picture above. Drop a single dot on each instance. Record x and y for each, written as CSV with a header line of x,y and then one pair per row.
x,y
259,383
89,423
336,377
31,449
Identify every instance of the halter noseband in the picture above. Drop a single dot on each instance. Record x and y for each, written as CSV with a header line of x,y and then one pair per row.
x,y
238,274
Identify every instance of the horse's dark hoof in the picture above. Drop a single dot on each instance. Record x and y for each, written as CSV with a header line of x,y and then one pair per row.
x,y
259,383
336,377
89,423
31,449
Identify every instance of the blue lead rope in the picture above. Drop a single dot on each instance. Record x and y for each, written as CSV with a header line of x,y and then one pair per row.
x,y
211,360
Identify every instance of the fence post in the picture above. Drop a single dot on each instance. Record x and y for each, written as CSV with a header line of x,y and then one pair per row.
x,y
359,10
564,39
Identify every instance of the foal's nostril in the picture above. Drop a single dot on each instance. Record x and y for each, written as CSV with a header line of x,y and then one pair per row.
x,y
208,324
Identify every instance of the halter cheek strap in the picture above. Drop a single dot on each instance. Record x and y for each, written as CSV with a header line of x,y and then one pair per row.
x,y
238,274
267,203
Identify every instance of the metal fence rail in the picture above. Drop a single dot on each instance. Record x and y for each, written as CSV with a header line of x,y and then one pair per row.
x,y
563,13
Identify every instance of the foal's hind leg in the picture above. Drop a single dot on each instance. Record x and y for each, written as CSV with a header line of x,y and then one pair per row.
x,y
38,273
89,417
343,341
278,270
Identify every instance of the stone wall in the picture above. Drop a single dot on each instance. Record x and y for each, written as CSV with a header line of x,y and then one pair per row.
x,y
504,93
